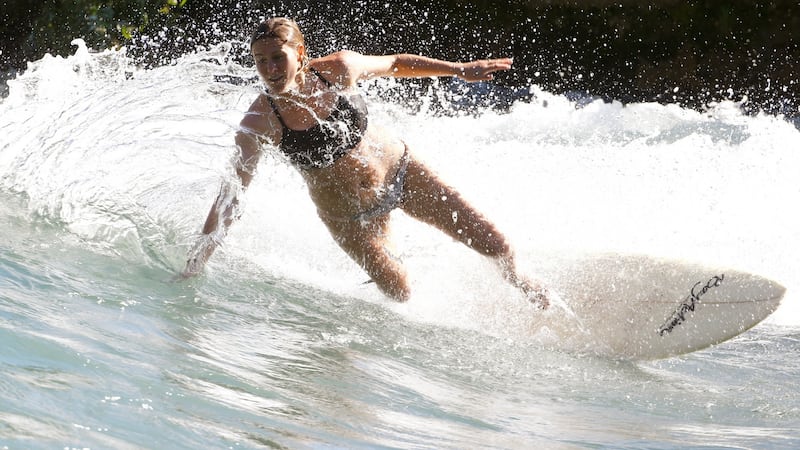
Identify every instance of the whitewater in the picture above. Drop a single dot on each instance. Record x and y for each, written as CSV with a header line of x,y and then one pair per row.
x,y
107,172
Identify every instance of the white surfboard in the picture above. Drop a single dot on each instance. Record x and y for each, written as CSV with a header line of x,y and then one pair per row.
x,y
639,307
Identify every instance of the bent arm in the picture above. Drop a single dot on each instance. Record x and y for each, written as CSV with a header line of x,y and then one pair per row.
x,y
227,200
224,209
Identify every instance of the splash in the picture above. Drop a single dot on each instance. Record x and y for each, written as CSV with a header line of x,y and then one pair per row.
x,y
130,160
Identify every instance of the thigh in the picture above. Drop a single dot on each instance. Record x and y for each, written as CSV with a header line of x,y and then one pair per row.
x,y
428,199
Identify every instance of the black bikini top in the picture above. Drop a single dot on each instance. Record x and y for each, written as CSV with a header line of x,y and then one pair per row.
x,y
329,139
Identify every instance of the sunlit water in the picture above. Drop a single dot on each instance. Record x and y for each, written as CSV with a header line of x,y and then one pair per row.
x,y
107,172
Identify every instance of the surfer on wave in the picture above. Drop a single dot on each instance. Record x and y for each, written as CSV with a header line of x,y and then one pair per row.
x,y
356,173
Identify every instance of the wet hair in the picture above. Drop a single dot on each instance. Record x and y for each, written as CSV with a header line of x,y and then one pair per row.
x,y
281,28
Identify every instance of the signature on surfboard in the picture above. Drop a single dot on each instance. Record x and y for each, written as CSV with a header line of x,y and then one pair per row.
x,y
689,303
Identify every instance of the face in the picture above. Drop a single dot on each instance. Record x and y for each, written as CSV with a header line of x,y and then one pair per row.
x,y
278,64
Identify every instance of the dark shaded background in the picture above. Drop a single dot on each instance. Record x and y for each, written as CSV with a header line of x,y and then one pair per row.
x,y
668,51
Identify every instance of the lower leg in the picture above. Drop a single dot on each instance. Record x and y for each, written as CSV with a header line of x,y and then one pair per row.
x,y
366,245
389,276
428,199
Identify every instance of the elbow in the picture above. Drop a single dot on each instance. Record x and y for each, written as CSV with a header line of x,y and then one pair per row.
x,y
402,65
247,159
245,176
246,170
394,67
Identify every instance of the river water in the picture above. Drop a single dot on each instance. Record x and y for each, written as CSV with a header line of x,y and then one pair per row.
x,y
107,172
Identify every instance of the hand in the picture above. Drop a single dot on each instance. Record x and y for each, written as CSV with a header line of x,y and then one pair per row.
x,y
483,70
193,268
535,292
198,258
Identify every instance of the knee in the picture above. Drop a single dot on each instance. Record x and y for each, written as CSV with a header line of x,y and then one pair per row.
x,y
390,277
394,285
399,293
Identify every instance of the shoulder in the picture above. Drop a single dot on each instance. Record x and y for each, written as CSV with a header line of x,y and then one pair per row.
x,y
260,119
337,62
344,68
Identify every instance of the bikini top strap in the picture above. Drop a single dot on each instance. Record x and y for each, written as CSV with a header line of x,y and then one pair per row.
x,y
275,110
319,75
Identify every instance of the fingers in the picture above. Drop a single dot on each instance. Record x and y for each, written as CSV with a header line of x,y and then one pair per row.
x,y
483,70
501,64
493,65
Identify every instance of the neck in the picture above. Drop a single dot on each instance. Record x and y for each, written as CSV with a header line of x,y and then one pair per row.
x,y
302,90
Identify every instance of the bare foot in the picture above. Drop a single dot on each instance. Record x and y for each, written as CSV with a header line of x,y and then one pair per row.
x,y
535,292
539,296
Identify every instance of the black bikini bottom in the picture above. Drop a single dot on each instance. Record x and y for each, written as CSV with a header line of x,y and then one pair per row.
x,y
393,195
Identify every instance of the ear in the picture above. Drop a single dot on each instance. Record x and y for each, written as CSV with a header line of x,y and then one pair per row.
x,y
301,53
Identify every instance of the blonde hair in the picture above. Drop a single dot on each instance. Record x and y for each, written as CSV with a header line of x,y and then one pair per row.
x,y
283,29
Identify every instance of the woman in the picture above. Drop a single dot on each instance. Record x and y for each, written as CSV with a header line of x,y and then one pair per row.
x,y
356,173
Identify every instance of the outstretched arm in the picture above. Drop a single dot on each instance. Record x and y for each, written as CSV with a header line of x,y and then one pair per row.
x,y
355,67
223,211
415,66
406,65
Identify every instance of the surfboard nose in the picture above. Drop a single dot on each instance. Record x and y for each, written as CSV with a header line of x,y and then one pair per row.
x,y
778,290
759,289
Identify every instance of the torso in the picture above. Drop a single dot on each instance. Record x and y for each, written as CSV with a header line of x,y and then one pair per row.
x,y
354,181
328,138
